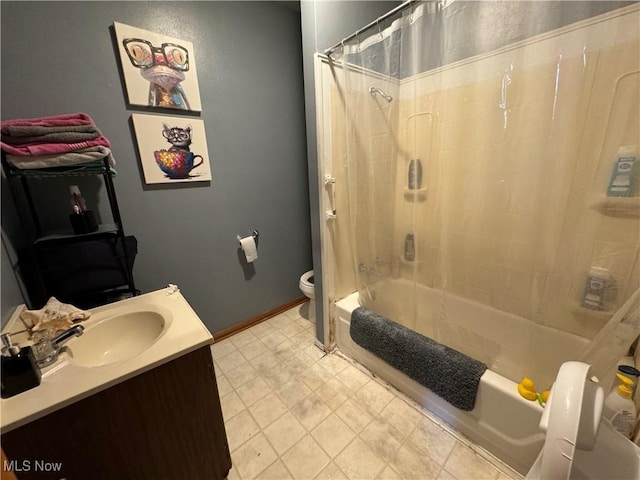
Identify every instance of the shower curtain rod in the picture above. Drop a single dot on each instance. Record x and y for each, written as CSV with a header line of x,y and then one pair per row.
x,y
399,8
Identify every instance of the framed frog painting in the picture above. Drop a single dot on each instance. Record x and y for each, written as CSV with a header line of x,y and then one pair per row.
x,y
159,71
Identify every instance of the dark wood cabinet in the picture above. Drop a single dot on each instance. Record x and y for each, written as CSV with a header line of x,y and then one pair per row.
x,y
165,423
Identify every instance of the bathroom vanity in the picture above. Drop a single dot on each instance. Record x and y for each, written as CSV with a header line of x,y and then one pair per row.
x,y
137,399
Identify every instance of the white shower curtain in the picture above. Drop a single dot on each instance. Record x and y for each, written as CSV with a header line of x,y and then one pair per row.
x,y
516,124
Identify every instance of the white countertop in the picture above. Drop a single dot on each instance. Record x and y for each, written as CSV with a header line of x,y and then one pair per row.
x,y
64,382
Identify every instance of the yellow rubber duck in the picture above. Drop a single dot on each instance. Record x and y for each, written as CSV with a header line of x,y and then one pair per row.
x,y
543,397
527,390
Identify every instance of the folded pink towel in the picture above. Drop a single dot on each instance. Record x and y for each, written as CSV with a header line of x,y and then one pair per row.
x,y
53,148
54,121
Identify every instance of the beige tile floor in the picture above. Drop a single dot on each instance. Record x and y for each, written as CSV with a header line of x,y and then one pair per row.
x,y
292,412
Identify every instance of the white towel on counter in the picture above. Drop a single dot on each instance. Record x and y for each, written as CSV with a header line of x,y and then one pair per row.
x,y
54,315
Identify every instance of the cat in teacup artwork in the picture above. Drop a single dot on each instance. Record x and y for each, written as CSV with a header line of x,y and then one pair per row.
x,y
179,138
178,161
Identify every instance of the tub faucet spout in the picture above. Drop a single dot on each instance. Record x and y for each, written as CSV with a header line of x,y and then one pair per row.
x,y
367,270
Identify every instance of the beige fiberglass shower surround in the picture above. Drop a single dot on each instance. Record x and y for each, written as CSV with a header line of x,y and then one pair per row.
x,y
517,130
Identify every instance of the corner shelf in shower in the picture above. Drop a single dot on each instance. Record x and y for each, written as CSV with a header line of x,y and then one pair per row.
x,y
624,207
578,309
413,195
407,263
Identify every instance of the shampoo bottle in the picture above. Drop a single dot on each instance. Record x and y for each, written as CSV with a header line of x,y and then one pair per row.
x,y
594,289
415,174
624,177
619,409
409,248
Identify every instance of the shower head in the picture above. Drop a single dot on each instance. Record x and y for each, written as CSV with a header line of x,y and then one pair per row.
x,y
374,90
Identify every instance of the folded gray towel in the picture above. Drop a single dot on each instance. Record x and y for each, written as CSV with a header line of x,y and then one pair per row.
x,y
52,137
36,130
450,374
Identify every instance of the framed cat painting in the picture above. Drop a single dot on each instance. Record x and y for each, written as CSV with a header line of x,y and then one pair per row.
x,y
172,149
159,71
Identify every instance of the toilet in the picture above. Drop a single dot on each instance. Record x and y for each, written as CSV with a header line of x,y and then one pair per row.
x,y
308,288
579,443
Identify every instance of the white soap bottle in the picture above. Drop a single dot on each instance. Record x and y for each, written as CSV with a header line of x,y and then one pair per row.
x,y
619,408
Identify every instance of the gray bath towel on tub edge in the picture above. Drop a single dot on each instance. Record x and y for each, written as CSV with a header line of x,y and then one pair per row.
x,y
450,374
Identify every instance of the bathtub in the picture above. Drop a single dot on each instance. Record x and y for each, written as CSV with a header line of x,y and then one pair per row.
x,y
501,422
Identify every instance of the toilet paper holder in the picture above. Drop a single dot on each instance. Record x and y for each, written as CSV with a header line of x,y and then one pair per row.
x,y
255,234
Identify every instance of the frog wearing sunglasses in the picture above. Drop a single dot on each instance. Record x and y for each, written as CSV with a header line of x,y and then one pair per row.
x,y
163,67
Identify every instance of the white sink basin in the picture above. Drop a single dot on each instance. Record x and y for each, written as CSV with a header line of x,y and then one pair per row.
x,y
119,336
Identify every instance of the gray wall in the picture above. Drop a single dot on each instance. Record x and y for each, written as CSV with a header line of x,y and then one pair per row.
x,y
324,23
59,57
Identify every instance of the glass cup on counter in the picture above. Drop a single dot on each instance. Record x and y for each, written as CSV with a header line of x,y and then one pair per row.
x,y
43,349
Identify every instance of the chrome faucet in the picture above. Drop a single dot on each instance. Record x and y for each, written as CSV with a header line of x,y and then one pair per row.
x,y
61,339
47,350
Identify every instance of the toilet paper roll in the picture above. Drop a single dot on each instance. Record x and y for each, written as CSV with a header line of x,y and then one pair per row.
x,y
249,247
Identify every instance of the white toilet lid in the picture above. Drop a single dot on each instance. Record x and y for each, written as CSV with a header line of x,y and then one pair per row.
x,y
307,278
571,419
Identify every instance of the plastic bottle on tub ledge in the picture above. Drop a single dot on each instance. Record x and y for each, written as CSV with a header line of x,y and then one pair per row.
x,y
619,409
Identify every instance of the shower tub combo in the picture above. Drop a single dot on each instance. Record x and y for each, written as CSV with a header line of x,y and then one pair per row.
x,y
502,422
504,211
